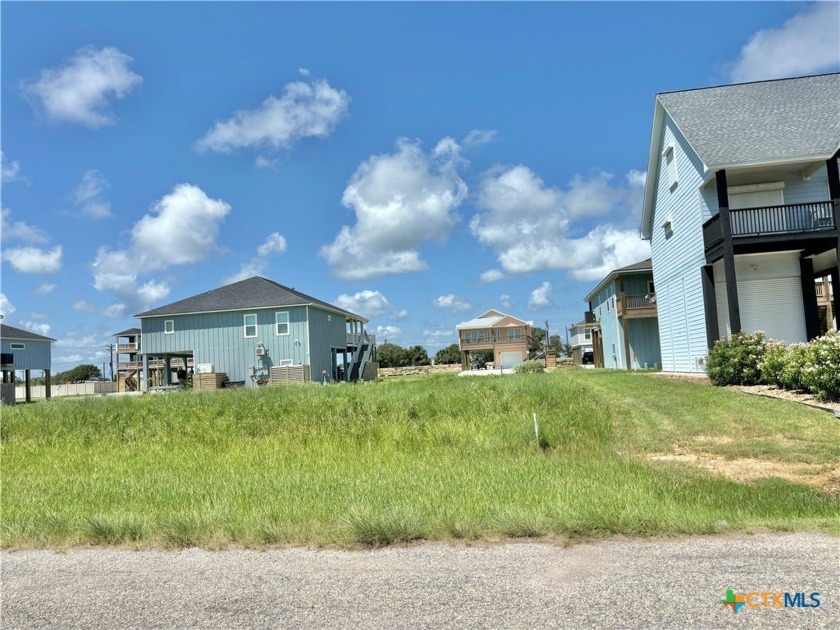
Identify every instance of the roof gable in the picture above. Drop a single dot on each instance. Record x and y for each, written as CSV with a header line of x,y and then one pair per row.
x,y
727,126
256,292
643,266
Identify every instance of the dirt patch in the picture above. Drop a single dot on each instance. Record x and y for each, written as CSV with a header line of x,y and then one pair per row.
x,y
684,377
823,477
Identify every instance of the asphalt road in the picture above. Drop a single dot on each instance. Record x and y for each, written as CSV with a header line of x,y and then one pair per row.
x,y
613,584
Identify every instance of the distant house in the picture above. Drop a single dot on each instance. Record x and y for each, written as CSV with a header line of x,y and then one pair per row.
x,y
623,306
25,351
246,329
507,336
742,207
581,340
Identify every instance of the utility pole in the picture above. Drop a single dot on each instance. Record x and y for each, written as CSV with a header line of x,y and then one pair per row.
x,y
111,363
547,338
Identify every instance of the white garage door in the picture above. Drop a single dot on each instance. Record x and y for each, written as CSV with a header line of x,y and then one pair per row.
x,y
509,359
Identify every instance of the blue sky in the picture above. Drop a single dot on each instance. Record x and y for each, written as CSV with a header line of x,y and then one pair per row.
x,y
415,163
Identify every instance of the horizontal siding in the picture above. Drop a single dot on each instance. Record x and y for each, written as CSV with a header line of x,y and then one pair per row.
x,y
219,338
678,258
37,355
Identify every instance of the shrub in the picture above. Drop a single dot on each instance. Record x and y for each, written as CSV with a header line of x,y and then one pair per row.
x,y
795,360
737,361
529,367
821,372
774,363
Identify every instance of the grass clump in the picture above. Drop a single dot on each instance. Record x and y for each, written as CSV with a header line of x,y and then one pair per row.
x,y
395,461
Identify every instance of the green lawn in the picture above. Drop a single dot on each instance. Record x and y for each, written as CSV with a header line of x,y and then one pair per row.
x,y
436,458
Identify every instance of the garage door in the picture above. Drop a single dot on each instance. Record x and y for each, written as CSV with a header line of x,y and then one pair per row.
x,y
509,359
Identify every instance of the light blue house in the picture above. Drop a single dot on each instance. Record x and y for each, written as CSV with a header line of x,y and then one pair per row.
x,y
248,328
22,350
742,206
623,305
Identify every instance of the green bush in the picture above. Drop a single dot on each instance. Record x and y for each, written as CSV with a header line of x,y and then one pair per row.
x,y
795,360
774,363
529,367
737,361
821,372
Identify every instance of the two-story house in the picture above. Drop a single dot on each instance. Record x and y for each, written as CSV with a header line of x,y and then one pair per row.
x,y
742,206
245,329
624,307
580,339
507,336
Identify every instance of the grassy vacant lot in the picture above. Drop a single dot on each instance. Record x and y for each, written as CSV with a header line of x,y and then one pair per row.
x,y
437,458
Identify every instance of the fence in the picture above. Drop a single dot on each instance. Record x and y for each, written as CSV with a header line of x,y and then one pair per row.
x,y
77,389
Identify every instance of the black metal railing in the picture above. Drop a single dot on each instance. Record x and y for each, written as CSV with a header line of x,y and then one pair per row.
x,y
795,218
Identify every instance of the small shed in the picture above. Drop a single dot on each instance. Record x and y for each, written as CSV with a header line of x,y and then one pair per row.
x,y
24,351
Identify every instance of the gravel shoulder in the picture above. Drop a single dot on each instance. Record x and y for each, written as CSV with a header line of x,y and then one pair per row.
x,y
672,583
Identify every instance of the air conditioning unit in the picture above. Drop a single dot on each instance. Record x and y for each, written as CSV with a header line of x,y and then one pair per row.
x,y
261,352
205,368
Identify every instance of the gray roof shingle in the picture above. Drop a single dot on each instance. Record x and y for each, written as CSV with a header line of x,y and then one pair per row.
x,y
762,122
256,292
131,332
10,332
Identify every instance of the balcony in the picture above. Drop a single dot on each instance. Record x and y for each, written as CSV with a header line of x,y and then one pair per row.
x,y
637,306
756,226
127,348
154,364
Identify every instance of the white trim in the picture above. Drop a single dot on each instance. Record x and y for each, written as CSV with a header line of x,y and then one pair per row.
x,y
284,362
748,188
245,317
168,321
277,324
306,354
671,165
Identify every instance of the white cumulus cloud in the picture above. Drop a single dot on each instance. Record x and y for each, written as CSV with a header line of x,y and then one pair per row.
x,y
366,303
81,90
504,300
20,230
452,302
304,110
401,200
808,43
9,170
492,275
388,332
39,329
532,226
88,195
45,288
6,307
33,259
274,244
477,137
180,228
541,296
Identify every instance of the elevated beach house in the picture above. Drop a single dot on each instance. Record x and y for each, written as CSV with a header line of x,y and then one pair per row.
x,y
742,206
247,329
623,305
508,337
23,351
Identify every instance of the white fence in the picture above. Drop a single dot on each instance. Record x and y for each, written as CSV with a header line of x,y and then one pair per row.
x,y
78,389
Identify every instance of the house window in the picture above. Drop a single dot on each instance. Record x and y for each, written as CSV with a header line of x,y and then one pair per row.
x,y
670,166
608,305
169,327
650,287
250,325
281,320
17,346
587,334
496,335
514,334
286,362
329,318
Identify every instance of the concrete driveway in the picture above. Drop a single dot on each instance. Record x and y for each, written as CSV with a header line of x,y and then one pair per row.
x,y
676,583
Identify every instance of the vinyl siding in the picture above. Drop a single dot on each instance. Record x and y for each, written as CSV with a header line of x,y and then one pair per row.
x,y
678,258
644,343
35,356
326,331
219,338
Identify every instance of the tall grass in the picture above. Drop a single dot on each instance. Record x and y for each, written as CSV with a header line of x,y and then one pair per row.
x,y
374,464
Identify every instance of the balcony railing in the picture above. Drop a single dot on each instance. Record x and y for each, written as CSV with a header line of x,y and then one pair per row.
x,y
796,218
639,302
127,347
153,364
